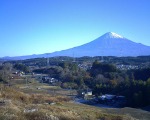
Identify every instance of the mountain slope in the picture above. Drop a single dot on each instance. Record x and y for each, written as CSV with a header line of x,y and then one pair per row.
x,y
109,44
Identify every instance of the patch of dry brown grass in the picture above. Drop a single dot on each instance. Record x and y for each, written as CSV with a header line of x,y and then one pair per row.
x,y
18,102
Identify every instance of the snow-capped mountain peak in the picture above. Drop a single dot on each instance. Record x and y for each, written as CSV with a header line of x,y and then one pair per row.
x,y
109,44
112,35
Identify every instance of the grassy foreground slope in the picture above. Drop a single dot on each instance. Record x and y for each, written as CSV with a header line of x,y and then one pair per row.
x,y
16,105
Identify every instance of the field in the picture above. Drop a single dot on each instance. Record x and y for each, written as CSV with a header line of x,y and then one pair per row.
x,y
39,101
31,85
16,105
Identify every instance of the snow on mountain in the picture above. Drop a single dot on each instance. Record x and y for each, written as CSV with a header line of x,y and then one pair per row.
x,y
109,44
112,35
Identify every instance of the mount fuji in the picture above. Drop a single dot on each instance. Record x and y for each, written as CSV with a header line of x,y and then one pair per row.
x,y
109,44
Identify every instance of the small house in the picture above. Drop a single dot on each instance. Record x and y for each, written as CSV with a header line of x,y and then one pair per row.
x,y
86,94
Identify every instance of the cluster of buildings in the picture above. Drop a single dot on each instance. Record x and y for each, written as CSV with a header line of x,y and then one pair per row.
x,y
85,66
112,100
47,79
85,94
107,99
19,73
128,67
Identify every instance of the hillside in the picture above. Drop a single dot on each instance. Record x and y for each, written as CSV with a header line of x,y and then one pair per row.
x,y
16,105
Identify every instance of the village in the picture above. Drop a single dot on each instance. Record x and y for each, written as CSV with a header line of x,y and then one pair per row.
x,y
85,96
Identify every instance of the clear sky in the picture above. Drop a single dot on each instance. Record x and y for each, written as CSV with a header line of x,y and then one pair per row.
x,y
44,26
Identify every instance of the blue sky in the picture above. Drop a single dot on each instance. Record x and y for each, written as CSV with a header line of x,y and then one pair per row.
x,y
44,26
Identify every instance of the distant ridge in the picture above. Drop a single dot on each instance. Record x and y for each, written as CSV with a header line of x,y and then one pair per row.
x,y
109,44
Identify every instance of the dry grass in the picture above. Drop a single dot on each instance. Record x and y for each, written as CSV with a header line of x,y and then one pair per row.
x,y
130,113
17,102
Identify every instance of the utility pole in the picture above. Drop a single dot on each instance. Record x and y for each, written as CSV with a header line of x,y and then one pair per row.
x,y
47,61
26,81
74,60
102,59
121,53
